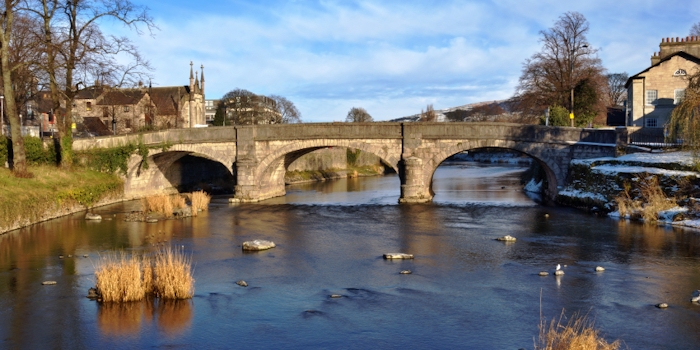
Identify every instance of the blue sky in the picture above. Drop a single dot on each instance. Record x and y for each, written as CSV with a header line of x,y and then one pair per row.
x,y
392,58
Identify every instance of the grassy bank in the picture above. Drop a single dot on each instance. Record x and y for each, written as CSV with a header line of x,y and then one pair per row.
x,y
51,191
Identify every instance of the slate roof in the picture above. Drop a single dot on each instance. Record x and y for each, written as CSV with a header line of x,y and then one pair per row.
x,y
167,98
94,126
90,93
121,97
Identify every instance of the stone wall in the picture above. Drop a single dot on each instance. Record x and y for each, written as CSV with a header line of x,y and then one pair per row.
x,y
331,158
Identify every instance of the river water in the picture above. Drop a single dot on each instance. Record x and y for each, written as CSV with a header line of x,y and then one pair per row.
x,y
466,289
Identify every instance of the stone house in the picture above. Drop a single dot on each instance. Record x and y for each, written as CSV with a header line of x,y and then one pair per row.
x,y
125,110
653,93
143,108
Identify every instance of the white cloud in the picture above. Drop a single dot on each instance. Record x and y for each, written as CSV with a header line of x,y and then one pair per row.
x,y
390,57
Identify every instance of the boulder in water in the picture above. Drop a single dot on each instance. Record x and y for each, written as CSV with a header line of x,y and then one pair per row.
x,y
398,256
93,216
258,244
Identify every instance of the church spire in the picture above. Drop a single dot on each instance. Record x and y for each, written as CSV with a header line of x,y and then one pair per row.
x,y
191,78
201,77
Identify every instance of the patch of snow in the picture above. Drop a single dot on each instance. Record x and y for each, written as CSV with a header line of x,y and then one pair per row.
x,y
667,215
583,194
687,223
615,169
533,186
685,158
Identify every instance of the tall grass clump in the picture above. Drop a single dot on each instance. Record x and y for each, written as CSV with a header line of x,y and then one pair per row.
x,y
119,279
162,204
172,275
650,201
165,274
578,333
200,201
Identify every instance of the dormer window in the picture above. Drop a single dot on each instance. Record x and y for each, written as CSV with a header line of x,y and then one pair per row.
x,y
679,73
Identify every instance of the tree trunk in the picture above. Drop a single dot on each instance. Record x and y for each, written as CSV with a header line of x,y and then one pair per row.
x,y
19,158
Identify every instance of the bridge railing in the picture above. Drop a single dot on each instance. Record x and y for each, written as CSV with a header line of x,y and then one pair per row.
x,y
327,131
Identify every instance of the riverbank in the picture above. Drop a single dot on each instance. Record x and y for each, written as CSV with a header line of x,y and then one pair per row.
x,y
52,193
659,187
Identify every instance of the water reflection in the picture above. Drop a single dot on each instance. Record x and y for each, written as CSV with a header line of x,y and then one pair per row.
x,y
465,286
173,317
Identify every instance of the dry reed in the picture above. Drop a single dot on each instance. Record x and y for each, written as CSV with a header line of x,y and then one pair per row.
x,y
650,202
167,274
162,204
172,275
200,201
119,279
578,333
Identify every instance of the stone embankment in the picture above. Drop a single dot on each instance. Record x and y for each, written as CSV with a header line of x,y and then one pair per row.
x,y
606,184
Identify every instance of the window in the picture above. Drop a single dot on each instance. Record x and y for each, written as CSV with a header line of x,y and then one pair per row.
x,y
652,97
651,123
126,108
127,121
105,112
88,106
679,72
678,96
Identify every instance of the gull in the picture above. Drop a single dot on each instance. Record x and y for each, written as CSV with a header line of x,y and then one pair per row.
x,y
558,267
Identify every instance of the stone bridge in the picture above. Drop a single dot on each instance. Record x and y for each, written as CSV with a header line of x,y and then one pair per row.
x,y
257,155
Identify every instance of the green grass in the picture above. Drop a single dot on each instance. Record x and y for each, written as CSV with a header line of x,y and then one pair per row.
x,y
28,199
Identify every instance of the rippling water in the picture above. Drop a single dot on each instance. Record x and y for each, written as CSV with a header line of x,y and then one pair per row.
x,y
466,290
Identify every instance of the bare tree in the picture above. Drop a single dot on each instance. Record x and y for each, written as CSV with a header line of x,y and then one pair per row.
x,y
617,93
287,110
10,68
429,115
552,76
695,29
358,115
75,47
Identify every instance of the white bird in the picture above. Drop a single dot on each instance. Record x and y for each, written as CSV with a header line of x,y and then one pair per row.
x,y
558,267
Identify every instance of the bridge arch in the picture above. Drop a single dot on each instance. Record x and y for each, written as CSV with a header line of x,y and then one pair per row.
x,y
159,177
270,171
550,166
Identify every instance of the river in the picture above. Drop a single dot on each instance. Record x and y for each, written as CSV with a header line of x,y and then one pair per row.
x,y
466,289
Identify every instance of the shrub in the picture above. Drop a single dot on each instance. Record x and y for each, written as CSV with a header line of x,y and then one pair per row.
x,y
650,200
578,333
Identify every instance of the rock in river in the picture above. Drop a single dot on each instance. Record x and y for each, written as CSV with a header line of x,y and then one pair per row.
x,y
242,283
398,256
92,216
258,244
507,238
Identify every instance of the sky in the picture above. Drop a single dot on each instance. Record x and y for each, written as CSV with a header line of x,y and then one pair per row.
x,y
392,58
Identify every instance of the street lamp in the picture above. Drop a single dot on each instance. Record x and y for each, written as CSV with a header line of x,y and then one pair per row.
x,y
571,79
2,115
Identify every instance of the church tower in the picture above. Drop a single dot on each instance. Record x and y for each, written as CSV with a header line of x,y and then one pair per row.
x,y
204,101
191,98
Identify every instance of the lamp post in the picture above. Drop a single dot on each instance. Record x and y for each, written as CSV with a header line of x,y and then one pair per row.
x,y
2,115
571,79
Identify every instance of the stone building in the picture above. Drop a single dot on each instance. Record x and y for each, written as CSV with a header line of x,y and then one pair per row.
x,y
143,108
653,93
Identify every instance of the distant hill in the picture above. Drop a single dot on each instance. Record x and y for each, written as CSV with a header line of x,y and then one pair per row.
x,y
490,111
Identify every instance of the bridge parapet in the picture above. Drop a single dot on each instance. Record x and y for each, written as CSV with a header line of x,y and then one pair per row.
x,y
258,155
